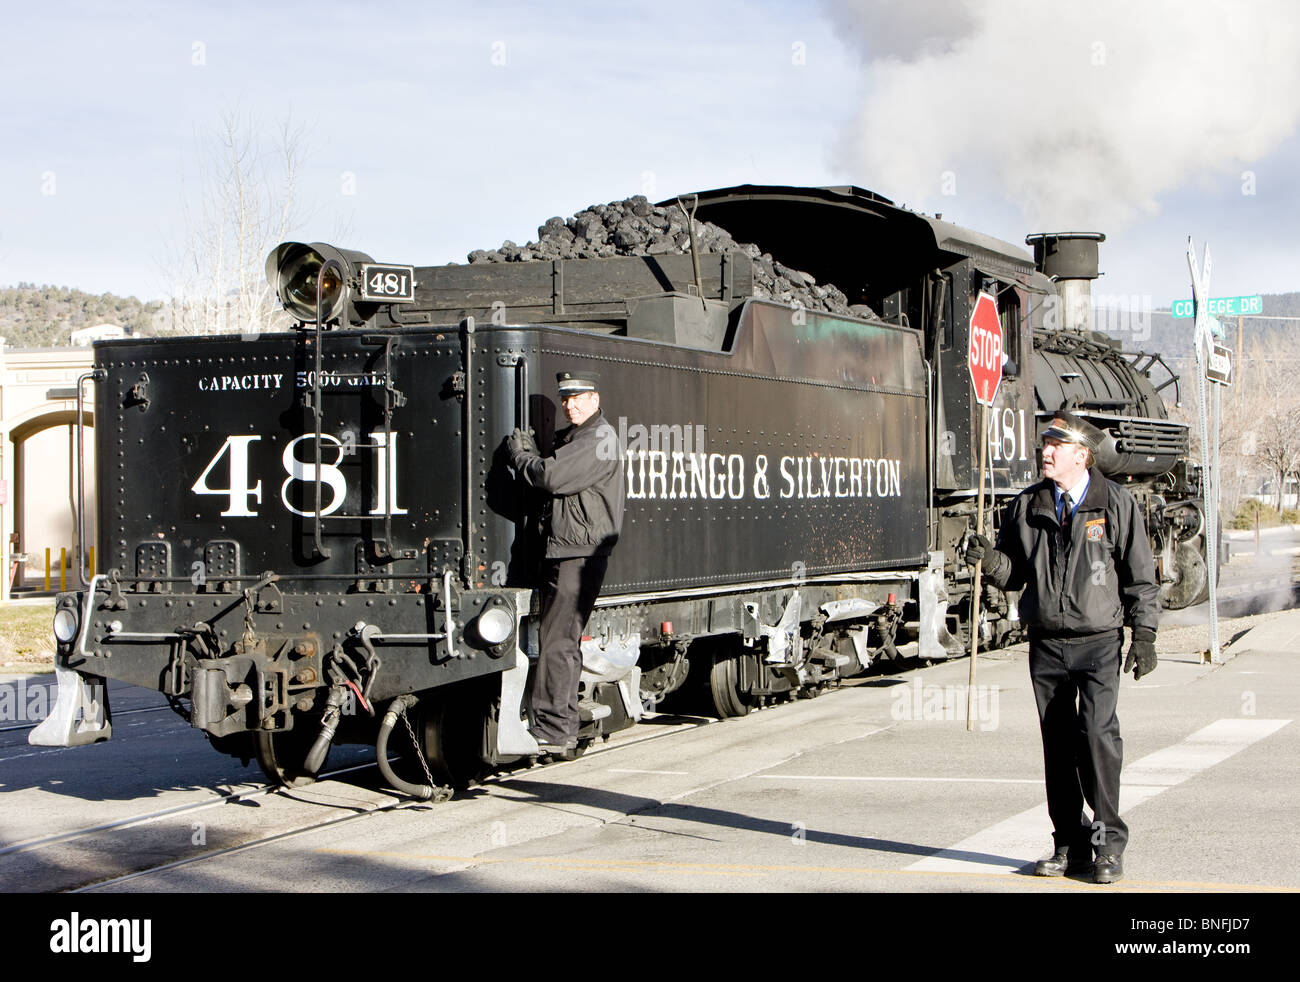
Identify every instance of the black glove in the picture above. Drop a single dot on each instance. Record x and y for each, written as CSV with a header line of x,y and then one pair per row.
x,y
977,547
520,442
1141,653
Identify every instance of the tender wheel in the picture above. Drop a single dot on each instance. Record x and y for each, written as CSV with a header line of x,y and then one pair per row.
x,y
724,684
451,723
281,754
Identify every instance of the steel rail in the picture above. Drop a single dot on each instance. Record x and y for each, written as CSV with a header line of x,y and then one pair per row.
x,y
125,712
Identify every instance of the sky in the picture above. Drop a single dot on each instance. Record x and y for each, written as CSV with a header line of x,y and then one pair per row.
x,y
426,130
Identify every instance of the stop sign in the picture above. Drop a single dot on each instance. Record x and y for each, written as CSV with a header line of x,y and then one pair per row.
x,y
985,357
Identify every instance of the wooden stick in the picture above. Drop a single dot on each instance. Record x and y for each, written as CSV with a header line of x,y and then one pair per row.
x,y
976,603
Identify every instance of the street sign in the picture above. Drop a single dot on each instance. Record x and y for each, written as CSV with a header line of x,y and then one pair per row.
x,y
1221,307
985,356
1200,291
1219,367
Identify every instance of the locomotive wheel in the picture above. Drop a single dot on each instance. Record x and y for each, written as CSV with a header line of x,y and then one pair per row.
x,y
1193,586
724,684
281,754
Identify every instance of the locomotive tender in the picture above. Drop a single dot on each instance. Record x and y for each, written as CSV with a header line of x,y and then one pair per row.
x,y
309,535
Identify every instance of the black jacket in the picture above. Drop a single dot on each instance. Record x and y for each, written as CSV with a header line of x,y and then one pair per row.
x,y
1103,578
585,479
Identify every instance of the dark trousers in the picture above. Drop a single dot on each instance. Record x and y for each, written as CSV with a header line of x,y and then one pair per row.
x,y
569,591
1076,687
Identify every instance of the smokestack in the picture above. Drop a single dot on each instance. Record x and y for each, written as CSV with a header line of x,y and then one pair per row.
x,y
1070,260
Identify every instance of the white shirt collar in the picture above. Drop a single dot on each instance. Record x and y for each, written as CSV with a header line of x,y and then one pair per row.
x,y
1076,493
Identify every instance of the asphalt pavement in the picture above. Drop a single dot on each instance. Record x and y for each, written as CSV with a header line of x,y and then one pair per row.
x,y
877,787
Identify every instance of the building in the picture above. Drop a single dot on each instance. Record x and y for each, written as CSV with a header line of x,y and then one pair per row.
x,y
38,466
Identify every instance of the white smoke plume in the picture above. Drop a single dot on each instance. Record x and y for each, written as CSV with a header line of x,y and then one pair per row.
x,y
1084,114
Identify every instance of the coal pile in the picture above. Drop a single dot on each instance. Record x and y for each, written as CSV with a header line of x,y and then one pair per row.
x,y
635,227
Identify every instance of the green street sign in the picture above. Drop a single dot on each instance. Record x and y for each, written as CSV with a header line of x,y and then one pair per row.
x,y
1222,307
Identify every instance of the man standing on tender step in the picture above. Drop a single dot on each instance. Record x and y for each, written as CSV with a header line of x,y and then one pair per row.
x,y
582,523
1076,545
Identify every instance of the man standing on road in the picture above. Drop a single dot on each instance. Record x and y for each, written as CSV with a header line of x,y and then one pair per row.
x,y
582,523
1076,545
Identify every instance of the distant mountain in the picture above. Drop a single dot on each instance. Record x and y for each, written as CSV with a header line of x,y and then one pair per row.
x,y
1158,331
43,316
1281,304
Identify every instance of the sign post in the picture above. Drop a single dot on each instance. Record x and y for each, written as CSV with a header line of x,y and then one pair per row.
x,y
985,362
1205,356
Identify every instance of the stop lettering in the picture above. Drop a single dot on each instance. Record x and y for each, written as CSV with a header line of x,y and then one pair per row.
x,y
985,356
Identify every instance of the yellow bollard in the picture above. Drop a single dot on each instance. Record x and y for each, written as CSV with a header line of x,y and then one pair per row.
x,y
47,570
63,569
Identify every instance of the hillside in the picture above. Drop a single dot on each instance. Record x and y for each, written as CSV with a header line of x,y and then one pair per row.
x,y
41,316
1160,332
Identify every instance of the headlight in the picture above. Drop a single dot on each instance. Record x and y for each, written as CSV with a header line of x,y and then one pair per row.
x,y
293,269
298,285
65,624
494,625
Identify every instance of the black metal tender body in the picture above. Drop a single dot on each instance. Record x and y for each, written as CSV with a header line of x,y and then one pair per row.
x,y
301,529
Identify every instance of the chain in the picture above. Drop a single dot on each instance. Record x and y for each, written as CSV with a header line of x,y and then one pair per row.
x,y
439,793
249,637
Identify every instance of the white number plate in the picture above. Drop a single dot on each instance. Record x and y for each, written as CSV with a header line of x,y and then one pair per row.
x,y
385,283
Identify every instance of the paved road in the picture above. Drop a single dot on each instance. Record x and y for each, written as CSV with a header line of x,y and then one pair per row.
x,y
155,763
876,787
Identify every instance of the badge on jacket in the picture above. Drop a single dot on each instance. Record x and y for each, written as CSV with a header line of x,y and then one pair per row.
x,y
1095,529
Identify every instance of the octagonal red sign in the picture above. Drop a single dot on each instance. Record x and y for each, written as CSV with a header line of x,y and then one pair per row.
x,y
985,356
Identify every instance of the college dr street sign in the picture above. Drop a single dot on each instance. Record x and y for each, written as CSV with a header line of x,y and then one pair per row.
x,y
1221,307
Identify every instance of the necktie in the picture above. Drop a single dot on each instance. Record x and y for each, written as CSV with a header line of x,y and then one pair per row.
x,y
1065,514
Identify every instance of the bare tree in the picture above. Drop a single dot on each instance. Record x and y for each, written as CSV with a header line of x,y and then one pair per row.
x,y
1269,415
1256,439
243,205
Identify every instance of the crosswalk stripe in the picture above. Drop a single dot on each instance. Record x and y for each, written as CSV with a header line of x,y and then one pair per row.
x,y
1012,844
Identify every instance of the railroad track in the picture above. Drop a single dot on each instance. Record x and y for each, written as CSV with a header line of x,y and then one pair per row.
x,y
223,798
124,712
303,817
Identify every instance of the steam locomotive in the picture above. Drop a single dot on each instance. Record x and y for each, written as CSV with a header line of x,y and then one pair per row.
x,y
313,535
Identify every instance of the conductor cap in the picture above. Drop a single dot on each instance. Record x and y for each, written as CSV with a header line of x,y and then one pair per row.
x,y
1069,428
575,382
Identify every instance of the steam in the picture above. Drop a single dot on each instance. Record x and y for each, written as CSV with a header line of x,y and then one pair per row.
x,y
1082,114
1267,581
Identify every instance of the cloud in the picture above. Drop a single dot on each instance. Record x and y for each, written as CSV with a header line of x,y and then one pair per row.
x,y
904,31
1083,115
